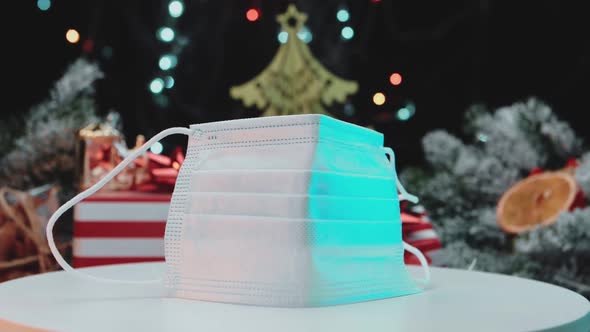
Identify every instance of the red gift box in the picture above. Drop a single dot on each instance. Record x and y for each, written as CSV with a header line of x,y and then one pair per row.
x,y
120,227
417,231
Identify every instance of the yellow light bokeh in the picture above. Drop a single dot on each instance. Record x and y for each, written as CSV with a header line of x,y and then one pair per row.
x,y
72,36
379,98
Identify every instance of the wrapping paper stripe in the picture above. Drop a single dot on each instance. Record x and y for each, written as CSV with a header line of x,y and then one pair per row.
x,y
426,245
416,227
121,247
128,196
421,235
119,229
411,219
95,261
121,211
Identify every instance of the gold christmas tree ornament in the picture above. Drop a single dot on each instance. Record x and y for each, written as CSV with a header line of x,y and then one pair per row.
x,y
294,82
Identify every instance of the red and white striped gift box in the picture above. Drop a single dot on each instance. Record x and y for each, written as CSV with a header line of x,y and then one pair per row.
x,y
120,227
418,232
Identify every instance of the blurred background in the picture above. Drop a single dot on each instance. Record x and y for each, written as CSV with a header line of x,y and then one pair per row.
x,y
449,55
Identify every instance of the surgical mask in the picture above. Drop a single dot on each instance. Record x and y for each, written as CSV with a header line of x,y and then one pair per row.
x,y
289,211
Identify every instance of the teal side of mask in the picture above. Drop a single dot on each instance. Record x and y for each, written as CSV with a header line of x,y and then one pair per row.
x,y
355,223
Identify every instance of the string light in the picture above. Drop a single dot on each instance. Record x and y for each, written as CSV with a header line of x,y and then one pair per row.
x,y
379,98
406,112
395,79
167,61
283,36
175,8
252,15
403,114
347,32
156,85
305,35
343,15
43,5
157,148
165,34
169,82
72,36
410,106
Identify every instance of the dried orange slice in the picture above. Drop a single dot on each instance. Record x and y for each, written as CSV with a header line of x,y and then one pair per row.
x,y
536,200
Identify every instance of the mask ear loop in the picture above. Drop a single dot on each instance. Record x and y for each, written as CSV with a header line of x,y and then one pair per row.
x,y
128,160
404,195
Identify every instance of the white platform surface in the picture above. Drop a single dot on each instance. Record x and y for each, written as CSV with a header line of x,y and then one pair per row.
x,y
455,301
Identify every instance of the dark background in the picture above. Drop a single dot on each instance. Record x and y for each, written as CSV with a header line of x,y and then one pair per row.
x,y
451,54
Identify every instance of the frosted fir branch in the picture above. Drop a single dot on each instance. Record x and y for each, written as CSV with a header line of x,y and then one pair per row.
x,y
79,77
569,235
504,139
583,172
441,149
44,152
560,136
76,82
461,255
529,130
464,181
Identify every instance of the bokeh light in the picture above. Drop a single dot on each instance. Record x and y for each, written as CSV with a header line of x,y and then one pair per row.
x,y
395,79
343,15
252,14
167,61
166,34
175,8
283,36
403,114
379,98
305,35
72,36
156,85
347,32
157,148
169,82
43,5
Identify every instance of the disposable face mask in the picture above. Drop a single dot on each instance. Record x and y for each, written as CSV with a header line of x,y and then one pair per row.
x,y
291,211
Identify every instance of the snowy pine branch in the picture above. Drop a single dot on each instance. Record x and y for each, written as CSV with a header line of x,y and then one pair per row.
x,y
464,181
44,152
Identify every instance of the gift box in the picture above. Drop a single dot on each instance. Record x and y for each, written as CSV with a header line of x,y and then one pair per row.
x,y
417,231
120,227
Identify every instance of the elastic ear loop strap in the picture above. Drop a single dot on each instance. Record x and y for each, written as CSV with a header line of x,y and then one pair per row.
x,y
412,198
128,160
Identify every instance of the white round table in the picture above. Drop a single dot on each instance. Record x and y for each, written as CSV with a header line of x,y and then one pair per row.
x,y
455,301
